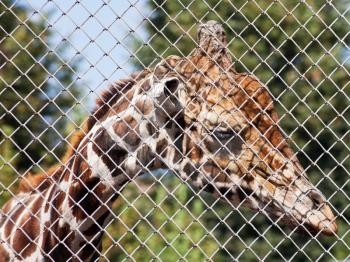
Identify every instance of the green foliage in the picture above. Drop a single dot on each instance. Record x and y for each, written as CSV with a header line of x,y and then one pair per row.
x,y
160,220
37,93
297,48
7,167
298,55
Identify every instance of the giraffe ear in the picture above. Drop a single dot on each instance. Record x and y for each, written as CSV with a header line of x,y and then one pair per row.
x,y
171,86
167,83
166,94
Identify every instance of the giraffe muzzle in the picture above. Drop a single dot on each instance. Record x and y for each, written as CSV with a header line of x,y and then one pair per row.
x,y
304,207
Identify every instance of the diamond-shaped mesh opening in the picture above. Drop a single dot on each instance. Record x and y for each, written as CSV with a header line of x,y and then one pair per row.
x,y
138,130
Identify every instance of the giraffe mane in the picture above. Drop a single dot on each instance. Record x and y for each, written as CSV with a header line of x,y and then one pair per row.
x,y
112,94
39,181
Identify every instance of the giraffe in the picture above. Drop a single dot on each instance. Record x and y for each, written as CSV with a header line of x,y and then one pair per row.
x,y
217,129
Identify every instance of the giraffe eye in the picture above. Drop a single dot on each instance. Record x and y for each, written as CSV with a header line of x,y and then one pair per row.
x,y
224,135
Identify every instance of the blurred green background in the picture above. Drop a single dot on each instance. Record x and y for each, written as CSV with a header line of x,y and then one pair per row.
x,y
299,49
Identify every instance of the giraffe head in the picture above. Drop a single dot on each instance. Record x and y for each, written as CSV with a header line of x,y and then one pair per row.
x,y
216,128
232,144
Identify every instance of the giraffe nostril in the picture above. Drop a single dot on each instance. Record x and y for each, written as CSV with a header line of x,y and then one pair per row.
x,y
316,198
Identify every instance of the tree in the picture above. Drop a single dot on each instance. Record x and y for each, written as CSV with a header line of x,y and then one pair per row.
x,y
156,221
37,95
297,48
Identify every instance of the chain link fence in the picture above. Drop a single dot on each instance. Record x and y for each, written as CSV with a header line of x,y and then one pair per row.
x,y
239,127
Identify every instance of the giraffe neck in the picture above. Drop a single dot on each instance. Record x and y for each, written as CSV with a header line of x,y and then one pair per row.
x,y
114,152
74,206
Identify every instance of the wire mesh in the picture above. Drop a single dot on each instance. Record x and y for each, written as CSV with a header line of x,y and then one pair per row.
x,y
216,141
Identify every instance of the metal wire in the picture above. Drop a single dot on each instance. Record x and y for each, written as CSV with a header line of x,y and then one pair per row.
x,y
162,215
